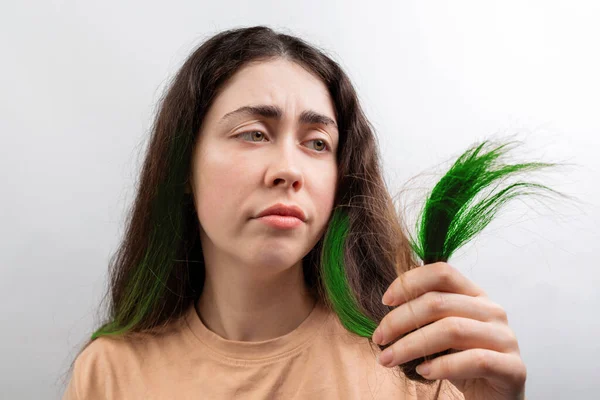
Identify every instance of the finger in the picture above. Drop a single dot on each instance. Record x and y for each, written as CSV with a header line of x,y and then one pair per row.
x,y
433,306
451,333
439,276
500,368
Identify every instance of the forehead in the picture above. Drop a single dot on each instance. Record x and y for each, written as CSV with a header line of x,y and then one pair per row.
x,y
279,82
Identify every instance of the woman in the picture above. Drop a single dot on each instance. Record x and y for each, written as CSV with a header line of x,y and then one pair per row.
x,y
216,290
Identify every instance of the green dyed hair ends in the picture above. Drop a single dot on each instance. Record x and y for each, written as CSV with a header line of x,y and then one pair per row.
x,y
449,219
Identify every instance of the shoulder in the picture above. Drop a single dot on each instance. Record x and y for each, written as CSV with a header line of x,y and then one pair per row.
x,y
103,351
109,364
94,368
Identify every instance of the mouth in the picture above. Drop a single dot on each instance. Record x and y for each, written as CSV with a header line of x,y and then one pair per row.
x,y
284,211
281,221
282,216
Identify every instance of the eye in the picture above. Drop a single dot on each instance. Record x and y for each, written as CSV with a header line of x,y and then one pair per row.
x,y
253,135
321,144
256,136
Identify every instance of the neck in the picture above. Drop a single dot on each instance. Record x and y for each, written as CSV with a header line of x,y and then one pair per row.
x,y
242,306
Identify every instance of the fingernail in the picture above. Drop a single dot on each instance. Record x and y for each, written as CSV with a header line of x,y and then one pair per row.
x,y
423,369
388,298
386,357
377,336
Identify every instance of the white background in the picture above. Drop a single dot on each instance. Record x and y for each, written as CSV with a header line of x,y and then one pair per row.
x,y
78,87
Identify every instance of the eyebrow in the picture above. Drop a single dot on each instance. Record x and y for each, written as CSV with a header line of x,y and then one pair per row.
x,y
274,112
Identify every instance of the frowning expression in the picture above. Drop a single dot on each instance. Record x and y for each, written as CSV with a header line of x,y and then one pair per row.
x,y
269,137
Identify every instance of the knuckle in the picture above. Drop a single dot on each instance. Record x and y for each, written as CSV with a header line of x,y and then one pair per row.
x,y
499,312
385,327
495,310
483,361
445,273
455,328
436,301
513,343
443,365
521,375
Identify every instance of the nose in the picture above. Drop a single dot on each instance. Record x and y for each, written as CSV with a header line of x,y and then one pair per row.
x,y
284,170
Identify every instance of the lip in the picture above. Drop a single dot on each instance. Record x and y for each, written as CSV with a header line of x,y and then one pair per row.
x,y
283,210
280,221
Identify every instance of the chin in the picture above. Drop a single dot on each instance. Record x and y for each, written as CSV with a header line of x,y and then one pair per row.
x,y
276,259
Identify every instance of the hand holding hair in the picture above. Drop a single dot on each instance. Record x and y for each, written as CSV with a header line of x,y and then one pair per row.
x,y
461,335
454,313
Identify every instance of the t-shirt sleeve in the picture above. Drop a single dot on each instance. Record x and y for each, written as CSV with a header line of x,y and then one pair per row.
x,y
91,375
71,391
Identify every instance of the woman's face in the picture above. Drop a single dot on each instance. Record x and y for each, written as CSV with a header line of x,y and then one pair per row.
x,y
245,162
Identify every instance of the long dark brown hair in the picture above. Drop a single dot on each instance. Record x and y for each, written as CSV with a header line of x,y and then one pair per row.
x,y
158,270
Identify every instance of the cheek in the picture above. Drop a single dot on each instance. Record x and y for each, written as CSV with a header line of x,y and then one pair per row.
x,y
324,193
219,186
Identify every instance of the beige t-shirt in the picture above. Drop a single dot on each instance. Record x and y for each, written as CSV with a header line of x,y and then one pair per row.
x,y
318,360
